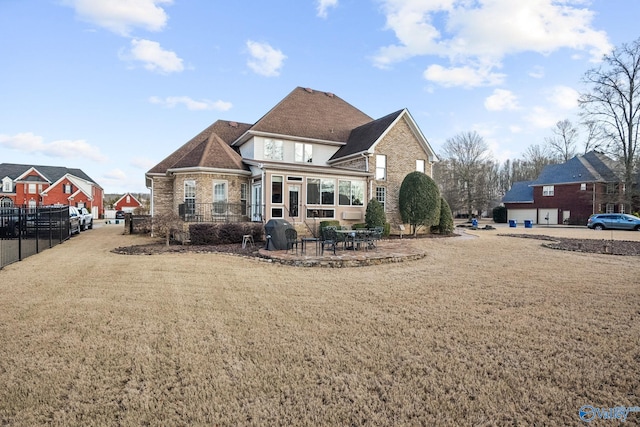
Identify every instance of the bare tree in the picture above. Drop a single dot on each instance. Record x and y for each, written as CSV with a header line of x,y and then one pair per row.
x,y
594,139
562,143
467,153
165,224
614,102
536,158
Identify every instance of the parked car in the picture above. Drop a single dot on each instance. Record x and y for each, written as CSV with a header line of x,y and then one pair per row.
x,y
119,214
614,221
86,219
74,220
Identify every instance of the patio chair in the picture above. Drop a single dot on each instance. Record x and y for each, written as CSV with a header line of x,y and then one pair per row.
x,y
292,239
329,238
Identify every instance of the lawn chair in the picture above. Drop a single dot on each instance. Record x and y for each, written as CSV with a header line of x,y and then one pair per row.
x,y
292,239
329,238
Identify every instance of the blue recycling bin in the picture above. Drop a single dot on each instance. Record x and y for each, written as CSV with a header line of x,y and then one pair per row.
x,y
512,223
474,223
528,223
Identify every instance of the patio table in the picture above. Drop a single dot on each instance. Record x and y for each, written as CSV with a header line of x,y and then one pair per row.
x,y
356,237
306,240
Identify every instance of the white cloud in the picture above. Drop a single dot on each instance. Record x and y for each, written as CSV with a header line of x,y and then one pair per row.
x,y
154,57
68,149
467,76
121,16
542,118
501,100
537,72
191,104
323,5
472,34
265,60
564,97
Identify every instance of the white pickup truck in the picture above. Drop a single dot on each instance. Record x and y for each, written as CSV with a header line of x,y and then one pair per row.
x,y
86,219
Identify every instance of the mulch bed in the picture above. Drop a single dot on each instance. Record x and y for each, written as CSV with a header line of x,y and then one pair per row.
x,y
594,246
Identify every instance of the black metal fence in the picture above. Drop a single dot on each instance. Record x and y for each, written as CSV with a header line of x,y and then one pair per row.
x,y
25,231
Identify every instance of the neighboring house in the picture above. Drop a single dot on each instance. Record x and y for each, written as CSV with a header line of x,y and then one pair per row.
x,y
31,186
569,192
311,157
127,203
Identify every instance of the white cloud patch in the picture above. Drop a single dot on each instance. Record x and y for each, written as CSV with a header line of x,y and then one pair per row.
x,y
67,149
564,97
191,104
467,76
501,100
154,57
265,60
472,34
542,118
122,16
324,5
537,72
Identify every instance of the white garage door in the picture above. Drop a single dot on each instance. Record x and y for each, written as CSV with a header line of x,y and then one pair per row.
x,y
550,213
521,214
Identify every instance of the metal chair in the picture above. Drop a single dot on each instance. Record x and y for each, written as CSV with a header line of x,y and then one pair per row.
x,y
329,238
292,239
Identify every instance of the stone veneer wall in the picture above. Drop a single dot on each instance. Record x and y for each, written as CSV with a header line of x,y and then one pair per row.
x,y
402,150
162,194
204,187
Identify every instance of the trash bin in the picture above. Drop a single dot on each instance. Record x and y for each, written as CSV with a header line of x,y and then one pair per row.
x,y
528,223
512,223
474,223
274,230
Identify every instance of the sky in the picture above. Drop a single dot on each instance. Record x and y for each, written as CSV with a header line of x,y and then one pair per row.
x,y
114,86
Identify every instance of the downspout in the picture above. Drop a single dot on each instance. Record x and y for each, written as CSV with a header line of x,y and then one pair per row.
x,y
366,169
263,190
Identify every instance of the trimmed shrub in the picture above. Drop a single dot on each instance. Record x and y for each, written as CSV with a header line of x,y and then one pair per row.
x,y
223,233
375,216
500,215
419,201
359,226
445,226
329,223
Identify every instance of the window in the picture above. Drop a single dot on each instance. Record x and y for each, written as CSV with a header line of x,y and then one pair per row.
x,y
66,188
303,152
583,186
219,197
381,167
381,195
320,213
621,208
6,202
547,190
611,208
190,197
276,189
32,188
320,191
128,199
294,178
6,185
420,165
351,193
273,149
244,192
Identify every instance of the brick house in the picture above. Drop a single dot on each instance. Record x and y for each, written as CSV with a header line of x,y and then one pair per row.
x,y
313,156
569,192
31,186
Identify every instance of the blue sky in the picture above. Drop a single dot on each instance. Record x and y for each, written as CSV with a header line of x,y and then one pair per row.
x,y
114,86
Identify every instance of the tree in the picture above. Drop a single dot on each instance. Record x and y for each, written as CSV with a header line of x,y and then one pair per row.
x,y
375,216
562,143
467,152
614,102
419,201
165,224
445,225
537,157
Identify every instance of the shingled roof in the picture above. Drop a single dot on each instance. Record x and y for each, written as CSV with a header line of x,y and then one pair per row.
x,y
520,192
309,113
590,167
210,148
52,173
363,137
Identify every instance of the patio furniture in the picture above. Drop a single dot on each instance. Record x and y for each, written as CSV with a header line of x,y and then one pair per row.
x,y
305,241
292,239
247,239
329,238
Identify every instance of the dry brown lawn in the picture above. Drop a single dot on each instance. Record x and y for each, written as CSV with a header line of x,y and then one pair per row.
x,y
486,331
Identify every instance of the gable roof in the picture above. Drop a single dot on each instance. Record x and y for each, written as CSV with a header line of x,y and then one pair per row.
x,y
520,192
308,113
363,137
210,148
590,167
51,173
125,195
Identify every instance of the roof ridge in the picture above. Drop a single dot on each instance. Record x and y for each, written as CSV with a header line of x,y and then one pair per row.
x,y
592,170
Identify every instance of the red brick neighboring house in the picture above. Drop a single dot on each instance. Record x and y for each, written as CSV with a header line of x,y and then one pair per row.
x,y
31,186
127,203
569,192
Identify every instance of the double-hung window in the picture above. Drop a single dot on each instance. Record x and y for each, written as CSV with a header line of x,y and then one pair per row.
x,y
190,197
381,195
381,167
303,153
420,165
219,197
320,191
